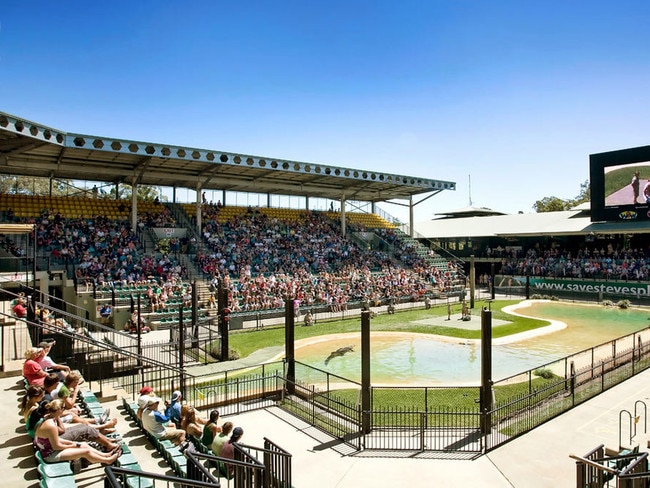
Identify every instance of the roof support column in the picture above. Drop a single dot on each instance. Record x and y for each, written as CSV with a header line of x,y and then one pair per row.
x,y
173,194
411,230
134,205
268,200
198,209
343,214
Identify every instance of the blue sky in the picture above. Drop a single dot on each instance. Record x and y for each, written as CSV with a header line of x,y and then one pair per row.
x,y
516,94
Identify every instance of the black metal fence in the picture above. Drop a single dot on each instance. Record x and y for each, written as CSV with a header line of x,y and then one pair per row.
x,y
237,391
575,379
441,419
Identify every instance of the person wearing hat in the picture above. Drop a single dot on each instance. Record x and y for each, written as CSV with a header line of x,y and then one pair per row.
x,y
159,425
173,409
146,392
33,372
48,364
19,309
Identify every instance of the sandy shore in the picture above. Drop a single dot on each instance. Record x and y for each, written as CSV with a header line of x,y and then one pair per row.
x,y
554,326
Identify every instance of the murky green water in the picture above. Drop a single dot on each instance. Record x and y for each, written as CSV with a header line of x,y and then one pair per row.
x,y
418,359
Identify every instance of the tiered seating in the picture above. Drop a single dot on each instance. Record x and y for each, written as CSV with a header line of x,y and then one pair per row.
x,y
172,454
174,457
283,213
28,206
367,220
54,475
61,474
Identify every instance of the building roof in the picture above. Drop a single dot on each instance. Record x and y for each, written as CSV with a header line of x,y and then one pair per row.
x,y
569,222
32,149
469,212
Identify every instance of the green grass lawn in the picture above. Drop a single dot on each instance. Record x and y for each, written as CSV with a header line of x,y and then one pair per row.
x,y
245,342
620,178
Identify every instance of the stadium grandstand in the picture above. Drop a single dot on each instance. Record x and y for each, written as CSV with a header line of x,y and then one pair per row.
x,y
96,273
140,294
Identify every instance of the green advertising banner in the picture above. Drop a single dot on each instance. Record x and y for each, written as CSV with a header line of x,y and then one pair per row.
x,y
549,285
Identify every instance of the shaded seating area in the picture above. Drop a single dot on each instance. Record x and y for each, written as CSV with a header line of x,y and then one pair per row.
x,y
251,466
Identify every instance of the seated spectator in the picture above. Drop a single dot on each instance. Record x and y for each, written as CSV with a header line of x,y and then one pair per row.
x,y
173,409
190,422
55,449
52,386
211,429
135,321
309,318
144,394
228,450
20,308
70,432
105,313
30,400
221,439
48,364
68,393
159,425
32,370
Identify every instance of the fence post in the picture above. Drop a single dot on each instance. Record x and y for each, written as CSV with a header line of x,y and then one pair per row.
x,y
572,383
289,346
486,369
365,371
423,421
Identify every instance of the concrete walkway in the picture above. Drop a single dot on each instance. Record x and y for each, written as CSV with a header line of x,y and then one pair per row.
x,y
538,459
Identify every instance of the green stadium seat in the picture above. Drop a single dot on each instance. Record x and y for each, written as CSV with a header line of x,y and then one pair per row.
x,y
60,482
52,470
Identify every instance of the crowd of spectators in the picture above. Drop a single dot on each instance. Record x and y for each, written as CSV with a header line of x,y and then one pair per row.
x,y
596,262
265,260
254,243
102,250
183,425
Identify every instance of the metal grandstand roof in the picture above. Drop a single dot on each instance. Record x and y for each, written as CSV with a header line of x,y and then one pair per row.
x,y
568,222
31,149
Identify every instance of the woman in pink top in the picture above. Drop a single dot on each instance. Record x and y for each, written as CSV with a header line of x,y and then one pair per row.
x,y
32,370
54,449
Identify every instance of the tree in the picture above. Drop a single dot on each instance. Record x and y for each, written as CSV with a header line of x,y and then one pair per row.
x,y
555,204
550,204
25,185
145,193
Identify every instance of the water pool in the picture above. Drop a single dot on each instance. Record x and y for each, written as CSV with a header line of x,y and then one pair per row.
x,y
421,359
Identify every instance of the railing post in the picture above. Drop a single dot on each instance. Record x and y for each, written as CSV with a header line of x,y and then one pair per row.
x,y
572,383
365,371
289,346
423,421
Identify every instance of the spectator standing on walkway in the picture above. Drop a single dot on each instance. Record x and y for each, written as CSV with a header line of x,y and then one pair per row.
x,y
635,187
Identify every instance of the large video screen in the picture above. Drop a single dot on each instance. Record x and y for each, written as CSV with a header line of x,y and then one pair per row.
x,y
620,185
